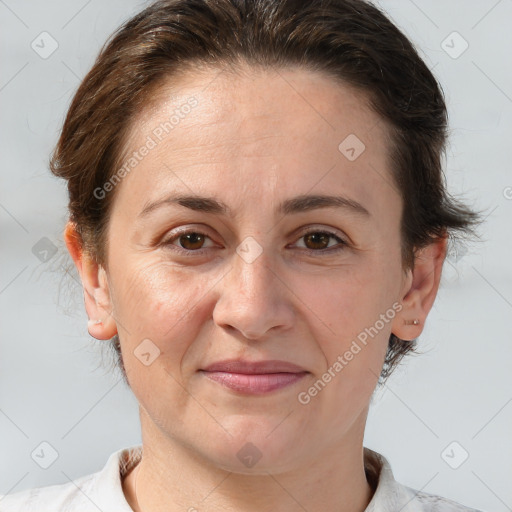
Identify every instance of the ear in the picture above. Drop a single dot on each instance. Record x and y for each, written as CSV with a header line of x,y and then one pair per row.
x,y
96,290
420,290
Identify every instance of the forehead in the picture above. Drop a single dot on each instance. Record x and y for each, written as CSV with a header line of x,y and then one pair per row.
x,y
290,127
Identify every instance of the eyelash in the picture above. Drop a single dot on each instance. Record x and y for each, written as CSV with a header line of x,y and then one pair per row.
x,y
188,252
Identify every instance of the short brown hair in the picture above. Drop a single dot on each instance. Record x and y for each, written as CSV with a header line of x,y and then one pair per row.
x,y
350,40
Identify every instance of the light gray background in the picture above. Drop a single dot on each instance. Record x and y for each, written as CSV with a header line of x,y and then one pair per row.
x,y
56,384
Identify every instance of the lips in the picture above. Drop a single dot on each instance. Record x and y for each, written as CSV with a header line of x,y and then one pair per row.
x,y
254,377
254,367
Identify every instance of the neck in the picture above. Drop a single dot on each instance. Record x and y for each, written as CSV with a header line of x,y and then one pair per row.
x,y
178,479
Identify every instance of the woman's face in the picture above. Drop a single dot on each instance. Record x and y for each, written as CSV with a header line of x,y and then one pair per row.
x,y
274,276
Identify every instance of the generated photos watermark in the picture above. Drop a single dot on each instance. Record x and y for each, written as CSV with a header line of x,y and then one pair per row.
x,y
157,135
304,397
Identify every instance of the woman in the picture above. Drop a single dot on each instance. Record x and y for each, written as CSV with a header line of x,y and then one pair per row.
x,y
259,220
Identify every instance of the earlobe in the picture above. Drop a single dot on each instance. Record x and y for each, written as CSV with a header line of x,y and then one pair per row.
x,y
94,279
420,290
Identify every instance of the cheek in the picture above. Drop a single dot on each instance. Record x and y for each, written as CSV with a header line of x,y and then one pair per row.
x,y
348,299
156,300
351,334
160,303
355,308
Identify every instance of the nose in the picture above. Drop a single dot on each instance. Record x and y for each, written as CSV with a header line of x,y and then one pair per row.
x,y
254,299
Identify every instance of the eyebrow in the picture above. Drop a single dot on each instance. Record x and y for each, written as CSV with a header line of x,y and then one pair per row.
x,y
297,204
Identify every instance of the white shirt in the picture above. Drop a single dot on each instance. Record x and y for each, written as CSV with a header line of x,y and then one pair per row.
x,y
103,490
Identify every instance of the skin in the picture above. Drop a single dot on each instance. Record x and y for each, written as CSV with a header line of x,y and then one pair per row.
x,y
252,143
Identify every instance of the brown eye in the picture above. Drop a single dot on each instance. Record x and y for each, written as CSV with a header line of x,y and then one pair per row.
x,y
189,242
321,242
192,241
317,240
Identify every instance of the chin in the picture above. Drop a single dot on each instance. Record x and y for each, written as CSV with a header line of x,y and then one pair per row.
x,y
254,449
